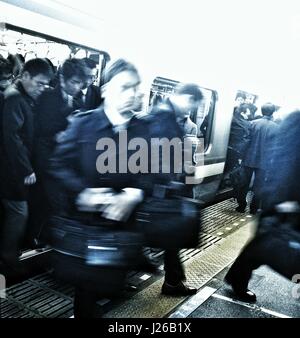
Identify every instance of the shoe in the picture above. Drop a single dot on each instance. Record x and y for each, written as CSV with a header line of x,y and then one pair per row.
x,y
244,295
177,290
240,209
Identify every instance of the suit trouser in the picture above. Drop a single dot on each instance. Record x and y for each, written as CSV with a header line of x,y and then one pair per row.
x,y
232,160
258,184
45,201
267,249
13,230
174,272
91,282
85,303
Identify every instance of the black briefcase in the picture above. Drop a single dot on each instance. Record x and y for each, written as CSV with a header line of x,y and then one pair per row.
x,y
169,223
106,246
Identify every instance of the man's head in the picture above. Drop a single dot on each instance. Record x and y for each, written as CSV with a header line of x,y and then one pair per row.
x,y
91,72
72,76
250,98
244,111
121,88
6,73
186,98
268,109
17,61
36,75
240,99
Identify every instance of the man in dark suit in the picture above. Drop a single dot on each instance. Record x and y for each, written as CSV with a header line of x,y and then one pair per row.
x,y
238,144
239,138
6,76
256,159
277,239
6,73
52,114
17,167
186,98
76,166
54,108
90,93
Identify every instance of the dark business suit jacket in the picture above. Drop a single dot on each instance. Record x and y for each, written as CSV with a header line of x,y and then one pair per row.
x,y
92,98
73,165
51,117
17,143
262,133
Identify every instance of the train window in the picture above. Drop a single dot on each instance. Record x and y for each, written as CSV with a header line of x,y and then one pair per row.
x,y
162,88
22,45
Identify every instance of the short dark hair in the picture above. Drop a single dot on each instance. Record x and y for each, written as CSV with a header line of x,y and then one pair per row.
x,y
189,89
117,67
90,63
73,67
242,95
242,108
268,109
15,59
20,57
37,66
50,63
5,66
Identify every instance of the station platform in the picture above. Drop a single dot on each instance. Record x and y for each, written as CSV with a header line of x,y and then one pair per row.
x,y
223,233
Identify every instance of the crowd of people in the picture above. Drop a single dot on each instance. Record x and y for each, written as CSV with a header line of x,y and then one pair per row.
x,y
50,125
49,155
249,151
263,157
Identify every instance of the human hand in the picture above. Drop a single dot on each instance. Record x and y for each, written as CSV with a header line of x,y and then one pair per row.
x,y
92,199
30,180
122,204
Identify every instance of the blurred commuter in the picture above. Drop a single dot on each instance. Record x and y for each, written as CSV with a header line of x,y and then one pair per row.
x,y
256,160
17,167
155,99
239,137
185,99
17,61
249,98
52,111
90,94
6,76
249,101
238,144
239,100
54,70
239,133
74,168
277,240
